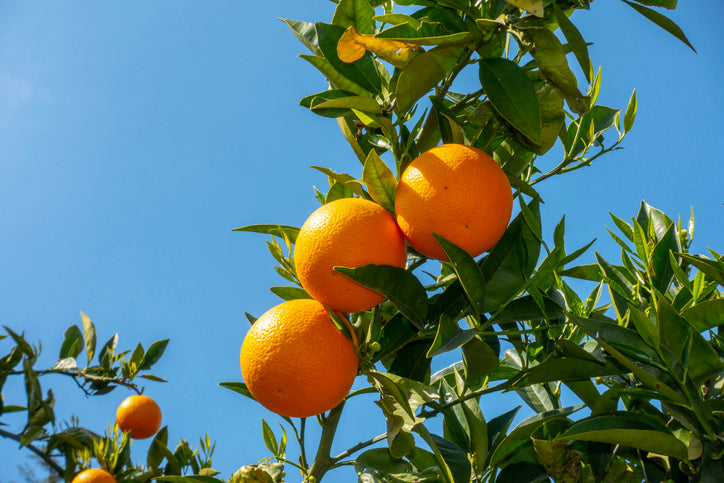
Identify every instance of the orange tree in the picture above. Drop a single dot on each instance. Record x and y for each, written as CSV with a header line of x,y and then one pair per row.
x,y
624,380
640,375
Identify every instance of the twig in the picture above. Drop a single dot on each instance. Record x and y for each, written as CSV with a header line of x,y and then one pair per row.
x,y
41,454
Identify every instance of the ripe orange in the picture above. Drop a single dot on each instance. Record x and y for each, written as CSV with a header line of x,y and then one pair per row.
x,y
349,232
140,415
458,192
93,475
296,362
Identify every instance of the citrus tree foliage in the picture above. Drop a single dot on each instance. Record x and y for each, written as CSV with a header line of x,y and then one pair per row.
x,y
67,447
624,390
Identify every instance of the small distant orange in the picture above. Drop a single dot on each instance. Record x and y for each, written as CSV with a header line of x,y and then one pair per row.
x,y
140,415
349,232
93,475
457,192
296,362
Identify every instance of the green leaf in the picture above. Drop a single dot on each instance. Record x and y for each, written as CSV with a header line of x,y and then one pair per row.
x,y
660,264
550,56
401,287
632,430
575,41
552,115
269,439
480,360
290,293
89,332
567,369
467,271
306,33
662,21
72,343
705,315
513,96
511,261
380,181
448,337
695,353
153,354
522,432
422,74
337,80
355,13
455,458
239,387
346,180
536,7
713,269
630,116
613,337
426,33
282,231
340,106
525,308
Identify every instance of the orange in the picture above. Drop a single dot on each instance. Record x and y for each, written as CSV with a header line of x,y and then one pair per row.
x,y
296,362
140,415
349,232
93,475
457,192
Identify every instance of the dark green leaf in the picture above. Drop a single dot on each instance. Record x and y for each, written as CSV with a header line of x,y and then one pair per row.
x,y
281,231
575,41
713,269
705,315
633,430
72,343
467,271
239,387
401,287
448,337
455,458
662,21
153,354
362,72
480,360
525,308
513,96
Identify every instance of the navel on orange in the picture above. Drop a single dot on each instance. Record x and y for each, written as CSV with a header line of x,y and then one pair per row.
x,y
296,362
140,415
93,475
458,192
349,232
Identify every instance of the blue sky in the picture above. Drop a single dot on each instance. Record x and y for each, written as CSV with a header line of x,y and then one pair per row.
x,y
135,135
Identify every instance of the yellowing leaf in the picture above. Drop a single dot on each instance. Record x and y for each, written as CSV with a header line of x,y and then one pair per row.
x,y
353,45
533,6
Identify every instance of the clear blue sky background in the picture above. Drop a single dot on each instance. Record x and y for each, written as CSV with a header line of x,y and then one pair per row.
x,y
135,135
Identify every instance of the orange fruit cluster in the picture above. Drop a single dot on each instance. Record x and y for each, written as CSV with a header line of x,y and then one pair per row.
x,y
294,359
